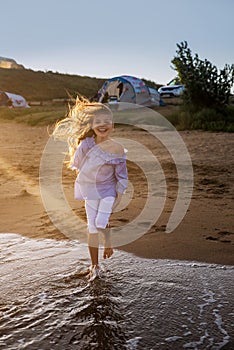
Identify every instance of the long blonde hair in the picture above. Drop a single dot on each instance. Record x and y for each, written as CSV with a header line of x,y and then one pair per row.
x,y
77,125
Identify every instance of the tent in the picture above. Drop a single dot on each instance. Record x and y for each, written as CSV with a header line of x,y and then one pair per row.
x,y
128,89
8,99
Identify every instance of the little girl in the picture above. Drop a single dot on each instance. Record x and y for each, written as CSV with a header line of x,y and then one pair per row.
x,y
101,164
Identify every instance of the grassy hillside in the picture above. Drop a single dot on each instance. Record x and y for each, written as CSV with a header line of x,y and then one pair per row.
x,y
41,86
41,115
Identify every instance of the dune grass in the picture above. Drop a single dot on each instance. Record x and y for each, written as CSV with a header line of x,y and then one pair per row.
x,y
42,115
44,86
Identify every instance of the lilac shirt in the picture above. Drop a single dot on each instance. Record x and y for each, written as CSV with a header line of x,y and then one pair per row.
x,y
101,174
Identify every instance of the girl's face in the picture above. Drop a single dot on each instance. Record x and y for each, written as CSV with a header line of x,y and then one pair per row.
x,y
102,125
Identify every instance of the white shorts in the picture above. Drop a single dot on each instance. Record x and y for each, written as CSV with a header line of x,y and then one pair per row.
x,y
98,212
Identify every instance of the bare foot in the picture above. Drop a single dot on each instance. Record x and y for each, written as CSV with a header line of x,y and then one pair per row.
x,y
107,253
94,272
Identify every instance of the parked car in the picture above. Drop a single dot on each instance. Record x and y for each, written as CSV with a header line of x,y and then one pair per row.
x,y
172,89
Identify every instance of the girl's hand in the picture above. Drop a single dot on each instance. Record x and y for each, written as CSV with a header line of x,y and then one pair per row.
x,y
117,200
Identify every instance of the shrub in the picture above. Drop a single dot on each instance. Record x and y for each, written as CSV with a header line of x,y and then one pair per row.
x,y
205,101
205,85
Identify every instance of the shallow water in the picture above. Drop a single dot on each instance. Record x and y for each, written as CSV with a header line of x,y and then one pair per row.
x,y
137,304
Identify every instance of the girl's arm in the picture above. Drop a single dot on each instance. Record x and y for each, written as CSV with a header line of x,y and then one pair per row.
x,y
117,200
79,156
121,174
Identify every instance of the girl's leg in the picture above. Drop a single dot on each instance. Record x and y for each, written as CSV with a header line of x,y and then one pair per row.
x,y
93,243
102,219
91,207
104,212
108,250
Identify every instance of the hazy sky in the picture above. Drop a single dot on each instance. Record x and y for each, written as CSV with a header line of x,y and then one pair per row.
x,y
105,38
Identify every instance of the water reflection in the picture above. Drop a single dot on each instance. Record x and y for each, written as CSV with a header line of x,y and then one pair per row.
x,y
72,314
48,304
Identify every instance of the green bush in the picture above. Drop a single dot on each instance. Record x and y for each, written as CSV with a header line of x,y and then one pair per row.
x,y
206,86
206,102
208,119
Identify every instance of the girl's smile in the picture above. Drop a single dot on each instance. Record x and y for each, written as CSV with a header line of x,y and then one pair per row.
x,y
102,126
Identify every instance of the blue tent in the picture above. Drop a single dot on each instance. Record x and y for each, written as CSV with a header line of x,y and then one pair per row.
x,y
128,89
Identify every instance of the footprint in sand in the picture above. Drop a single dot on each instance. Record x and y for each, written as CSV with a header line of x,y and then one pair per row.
x,y
221,237
24,193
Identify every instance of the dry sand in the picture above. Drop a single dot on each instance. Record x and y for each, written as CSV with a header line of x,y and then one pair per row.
x,y
206,233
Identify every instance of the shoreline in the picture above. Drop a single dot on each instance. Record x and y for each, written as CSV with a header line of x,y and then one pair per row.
x,y
206,233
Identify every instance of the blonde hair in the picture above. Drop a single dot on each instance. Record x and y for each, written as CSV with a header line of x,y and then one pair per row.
x,y
77,125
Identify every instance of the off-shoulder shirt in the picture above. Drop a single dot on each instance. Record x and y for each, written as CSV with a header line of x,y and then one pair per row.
x,y
100,173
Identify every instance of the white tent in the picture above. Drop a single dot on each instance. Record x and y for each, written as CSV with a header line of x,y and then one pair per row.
x,y
12,100
128,89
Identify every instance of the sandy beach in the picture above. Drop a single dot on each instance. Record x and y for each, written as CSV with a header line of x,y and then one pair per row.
x,y
206,234
163,291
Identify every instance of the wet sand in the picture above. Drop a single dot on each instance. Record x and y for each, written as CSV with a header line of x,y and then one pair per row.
x,y
138,303
206,233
